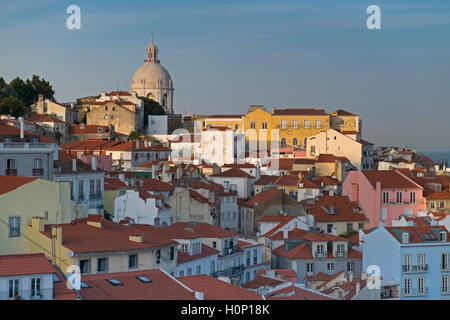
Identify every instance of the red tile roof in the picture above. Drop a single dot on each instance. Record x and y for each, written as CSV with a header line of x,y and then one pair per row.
x,y
215,289
24,264
121,93
35,117
327,181
330,158
281,163
305,294
80,237
60,289
239,165
342,112
207,251
88,145
10,183
265,180
234,173
444,194
87,129
262,281
114,184
261,197
134,146
155,185
202,229
10,131
418,234
389,179
292,234
285,273
288,180
342,209
162,287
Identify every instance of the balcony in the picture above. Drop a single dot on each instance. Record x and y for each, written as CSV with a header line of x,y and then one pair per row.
x,y
445,291
445,267
95,196
229,272
416,292
415,268
319,254
29,295
38,172
232,250
10,172
340,254
20,147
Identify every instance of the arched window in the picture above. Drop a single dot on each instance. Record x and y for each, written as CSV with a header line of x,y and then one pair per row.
x,y
283,143
294,142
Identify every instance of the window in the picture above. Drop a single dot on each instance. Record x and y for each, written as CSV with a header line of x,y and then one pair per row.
x,y
253,125
158,256
132,261
181,274
399,197
295,124
407,286
294,141
340,249
383,213
283,142
405,237
350,266
189,272
213,266
98,187
79,154
13,288
421,261
14,227
102,265
114,282
214,244
442,205
406,262
412,197
444,284
143,279
421,289
330,266
318,124
85,266
443,236
283,124
236,127
46,216
310,268
306,124
198,269
172,253
329,228
248,258
360,226
37,163
264,126
385,197
444,261
313,150
255,256
432,205
80,190
349,227
7,139
196,248
91,187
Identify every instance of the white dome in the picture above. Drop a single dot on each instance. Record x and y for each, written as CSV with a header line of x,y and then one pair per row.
x,y
151,75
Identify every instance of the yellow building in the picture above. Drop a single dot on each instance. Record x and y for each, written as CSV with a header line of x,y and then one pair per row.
x,y
294,125
345,121
97,245
257,127
22,198
233,121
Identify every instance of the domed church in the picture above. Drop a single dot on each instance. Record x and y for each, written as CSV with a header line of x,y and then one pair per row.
x,y
153,81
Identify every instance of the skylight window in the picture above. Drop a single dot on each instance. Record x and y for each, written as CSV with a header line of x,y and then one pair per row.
x,y
114,282
84,285
56,278
144,279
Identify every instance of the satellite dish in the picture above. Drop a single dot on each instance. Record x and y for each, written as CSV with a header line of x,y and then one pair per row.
x,y
70,254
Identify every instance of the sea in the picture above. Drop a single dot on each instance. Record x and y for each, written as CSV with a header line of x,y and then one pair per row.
x,y
436,155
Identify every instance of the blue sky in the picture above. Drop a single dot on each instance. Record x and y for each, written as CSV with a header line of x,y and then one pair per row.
x,y
226,55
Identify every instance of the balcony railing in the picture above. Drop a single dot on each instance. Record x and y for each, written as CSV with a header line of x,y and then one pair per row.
x,y
232,250
415,292
28,295
229,272
445,291
445,267
96,196
10,172
38,172
415,268
340,254
25,145
319,254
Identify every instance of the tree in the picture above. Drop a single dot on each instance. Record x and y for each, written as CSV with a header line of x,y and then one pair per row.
x,y
41,87
12,105
25,91
5,89
134,135
151,107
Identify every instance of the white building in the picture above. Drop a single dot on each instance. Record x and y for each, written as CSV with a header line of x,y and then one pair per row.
x,y
236,181
357,150
153,81
142,208
229,211
158,124
218,145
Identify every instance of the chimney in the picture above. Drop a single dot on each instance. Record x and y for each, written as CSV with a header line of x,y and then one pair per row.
x,y
21,128
57,234
74,165
358,287
37,223
258,170
285,234
350,277
95,220
94,163
139,238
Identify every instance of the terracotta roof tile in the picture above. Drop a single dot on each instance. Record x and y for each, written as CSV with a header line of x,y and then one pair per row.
x,y
24,264
10,183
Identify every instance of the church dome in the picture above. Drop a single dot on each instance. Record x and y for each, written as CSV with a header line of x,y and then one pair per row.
x,y
151,75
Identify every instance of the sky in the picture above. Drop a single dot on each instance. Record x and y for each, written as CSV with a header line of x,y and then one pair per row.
x,y
224,56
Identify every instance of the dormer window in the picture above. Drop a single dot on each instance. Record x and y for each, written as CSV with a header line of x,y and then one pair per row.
x,y
405,237
184,247
443,236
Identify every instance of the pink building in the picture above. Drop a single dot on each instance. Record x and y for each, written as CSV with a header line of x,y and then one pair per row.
x,y
384,195
104,162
